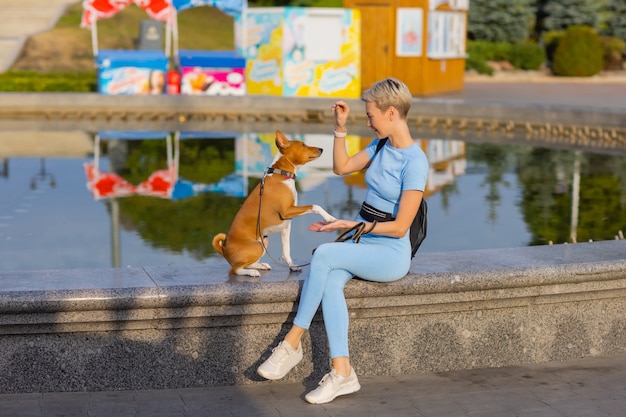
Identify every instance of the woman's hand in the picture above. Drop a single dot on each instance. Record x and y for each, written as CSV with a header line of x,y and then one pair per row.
x,y
340,112
332,226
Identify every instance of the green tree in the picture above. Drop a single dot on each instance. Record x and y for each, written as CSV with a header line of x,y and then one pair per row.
x,y
546,177
542,207
616,23
500,20
495,159
560,14
579,53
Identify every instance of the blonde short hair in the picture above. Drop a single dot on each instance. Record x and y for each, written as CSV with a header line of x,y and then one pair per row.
x,y
389,92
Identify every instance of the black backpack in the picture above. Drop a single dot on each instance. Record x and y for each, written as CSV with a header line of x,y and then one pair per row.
x,y
417,233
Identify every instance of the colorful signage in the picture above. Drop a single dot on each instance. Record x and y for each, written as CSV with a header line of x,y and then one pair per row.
x,y
299,51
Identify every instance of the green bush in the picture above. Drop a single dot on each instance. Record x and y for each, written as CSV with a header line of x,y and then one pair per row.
x,y
524,55
27,81
579,53
479,52
527,55
474,62
489,51
613,49
551,41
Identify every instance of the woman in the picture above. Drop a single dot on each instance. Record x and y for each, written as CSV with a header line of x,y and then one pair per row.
x,y
395,180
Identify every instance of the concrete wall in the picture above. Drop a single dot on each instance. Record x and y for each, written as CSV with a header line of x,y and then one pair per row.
x,y
142,328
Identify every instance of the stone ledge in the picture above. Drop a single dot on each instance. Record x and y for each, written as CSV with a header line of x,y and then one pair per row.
x,y
61,298
91,111
453,311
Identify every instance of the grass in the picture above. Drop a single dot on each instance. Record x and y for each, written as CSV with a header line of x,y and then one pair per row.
x,y
20,81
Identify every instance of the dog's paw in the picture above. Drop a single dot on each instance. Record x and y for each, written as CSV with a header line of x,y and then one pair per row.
x,y
325,215
260,265
248,272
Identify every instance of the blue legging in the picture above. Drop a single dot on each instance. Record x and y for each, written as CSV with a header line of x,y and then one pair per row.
x,y
332,266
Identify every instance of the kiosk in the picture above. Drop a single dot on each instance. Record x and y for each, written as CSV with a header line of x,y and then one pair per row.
x,y
128,71
421,42
212,73
150,71
209,72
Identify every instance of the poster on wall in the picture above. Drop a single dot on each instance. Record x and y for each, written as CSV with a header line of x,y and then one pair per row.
x,y
260,41
319,52
301,51
409,31
446,35
131,72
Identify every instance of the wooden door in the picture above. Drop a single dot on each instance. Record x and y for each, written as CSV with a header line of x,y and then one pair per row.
x,y
377,37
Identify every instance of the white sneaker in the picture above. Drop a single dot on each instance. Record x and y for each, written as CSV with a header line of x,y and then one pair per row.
x,y
283,359
332,386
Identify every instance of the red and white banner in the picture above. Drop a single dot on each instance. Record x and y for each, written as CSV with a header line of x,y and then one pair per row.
x,y
94,10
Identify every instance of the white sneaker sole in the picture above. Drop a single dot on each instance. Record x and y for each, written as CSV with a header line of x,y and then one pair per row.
x,y
344,391
275,376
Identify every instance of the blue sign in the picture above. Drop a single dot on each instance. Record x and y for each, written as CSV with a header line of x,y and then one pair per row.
x,y
230,7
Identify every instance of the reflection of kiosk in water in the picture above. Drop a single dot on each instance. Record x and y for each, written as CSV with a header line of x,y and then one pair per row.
x,y
447,162
163,183
446,158
254,152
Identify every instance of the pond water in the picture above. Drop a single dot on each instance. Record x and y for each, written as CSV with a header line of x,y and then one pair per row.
x,y
480,195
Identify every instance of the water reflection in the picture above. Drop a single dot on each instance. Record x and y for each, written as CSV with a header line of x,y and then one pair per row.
x,y
42,177
481,195
165,182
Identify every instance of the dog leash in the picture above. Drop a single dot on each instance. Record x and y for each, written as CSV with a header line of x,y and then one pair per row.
x,y
270,170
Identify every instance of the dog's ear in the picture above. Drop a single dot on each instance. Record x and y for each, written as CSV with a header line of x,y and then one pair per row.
x,y
281,140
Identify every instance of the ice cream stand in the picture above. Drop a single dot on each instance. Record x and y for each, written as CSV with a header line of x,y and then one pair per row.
x,y
288,51
150,72
129,71
209,72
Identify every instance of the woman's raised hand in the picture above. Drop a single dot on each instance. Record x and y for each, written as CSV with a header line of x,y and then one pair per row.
x,y
340,112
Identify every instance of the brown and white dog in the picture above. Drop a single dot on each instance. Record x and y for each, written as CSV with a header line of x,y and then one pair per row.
x,y
269,209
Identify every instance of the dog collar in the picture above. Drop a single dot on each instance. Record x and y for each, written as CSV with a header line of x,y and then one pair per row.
x,y
287,174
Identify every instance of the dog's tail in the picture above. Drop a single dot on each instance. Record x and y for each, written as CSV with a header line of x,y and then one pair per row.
x,y
218,243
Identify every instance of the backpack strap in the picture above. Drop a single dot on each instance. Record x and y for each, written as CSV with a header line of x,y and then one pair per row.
x,y
419,226
379,146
